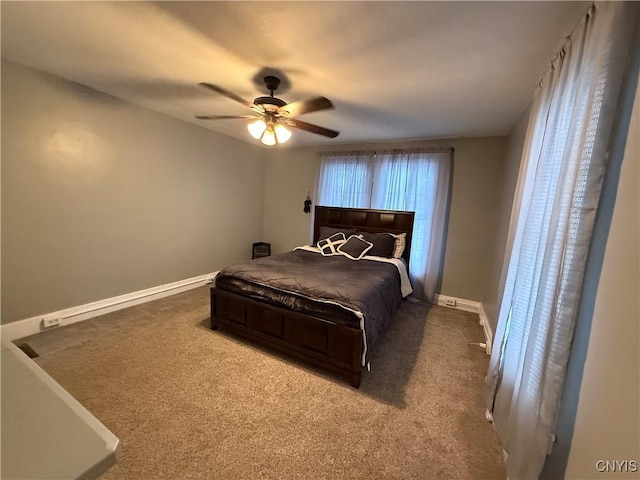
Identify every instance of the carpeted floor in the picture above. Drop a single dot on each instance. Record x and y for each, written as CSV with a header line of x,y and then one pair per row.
x,y
187,402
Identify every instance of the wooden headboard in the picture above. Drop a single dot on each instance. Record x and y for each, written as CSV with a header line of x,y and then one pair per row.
x,y
365,220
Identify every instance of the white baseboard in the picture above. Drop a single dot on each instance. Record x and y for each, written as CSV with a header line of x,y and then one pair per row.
x,y
30,326
469,306
488,332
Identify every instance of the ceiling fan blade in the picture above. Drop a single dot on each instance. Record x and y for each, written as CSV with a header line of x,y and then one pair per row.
x,y
309,127
305,106
226,93
224,117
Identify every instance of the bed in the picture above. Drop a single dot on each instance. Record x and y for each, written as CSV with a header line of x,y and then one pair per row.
x,y
328,310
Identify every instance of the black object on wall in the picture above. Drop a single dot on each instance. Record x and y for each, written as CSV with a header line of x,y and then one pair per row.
x,y
307,204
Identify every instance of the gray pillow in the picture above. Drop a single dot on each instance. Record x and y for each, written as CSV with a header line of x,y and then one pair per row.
x,y
383,244
355,247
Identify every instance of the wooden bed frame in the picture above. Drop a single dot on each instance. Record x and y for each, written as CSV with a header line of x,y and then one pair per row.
x,y
325,344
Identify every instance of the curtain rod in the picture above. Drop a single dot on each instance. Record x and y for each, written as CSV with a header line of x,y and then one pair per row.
x,y
388,151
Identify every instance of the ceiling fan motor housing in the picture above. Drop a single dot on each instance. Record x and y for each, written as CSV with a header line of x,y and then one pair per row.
x,y
272,83
276,102
270,103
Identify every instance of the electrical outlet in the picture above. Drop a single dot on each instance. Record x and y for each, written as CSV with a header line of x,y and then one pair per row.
x,y
51,322
450,302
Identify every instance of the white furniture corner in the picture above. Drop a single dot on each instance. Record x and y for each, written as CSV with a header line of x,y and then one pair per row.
x,y
46,433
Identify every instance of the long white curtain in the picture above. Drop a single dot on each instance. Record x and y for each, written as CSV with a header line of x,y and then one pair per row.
x,y
414,180
345,180
557,196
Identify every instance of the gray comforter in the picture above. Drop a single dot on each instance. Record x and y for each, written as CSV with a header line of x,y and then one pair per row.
x,y
362,294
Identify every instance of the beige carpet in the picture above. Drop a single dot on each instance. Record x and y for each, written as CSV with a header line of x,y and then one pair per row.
x,y
187,402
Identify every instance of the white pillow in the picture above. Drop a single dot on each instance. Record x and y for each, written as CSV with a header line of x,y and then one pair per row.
x,y
329,246
401,242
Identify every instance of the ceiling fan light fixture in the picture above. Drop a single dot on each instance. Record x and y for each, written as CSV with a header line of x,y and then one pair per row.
x,y
257,128
283,134
269,137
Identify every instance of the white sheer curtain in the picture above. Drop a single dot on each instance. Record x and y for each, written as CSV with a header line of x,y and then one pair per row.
x,y
557,196
345,180
417,182
414,180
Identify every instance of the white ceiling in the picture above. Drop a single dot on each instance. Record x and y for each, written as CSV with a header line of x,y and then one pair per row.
x,y
394,70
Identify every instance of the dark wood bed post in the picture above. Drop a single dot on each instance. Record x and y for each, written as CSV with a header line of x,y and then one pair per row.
x,y
214,324
356,363
321,342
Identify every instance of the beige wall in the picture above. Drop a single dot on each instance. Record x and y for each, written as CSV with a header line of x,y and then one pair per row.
x,y
290,173
607,424
515,143
475,199
102,198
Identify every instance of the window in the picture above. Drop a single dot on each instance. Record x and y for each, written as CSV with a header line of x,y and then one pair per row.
x,y
413,180
563,164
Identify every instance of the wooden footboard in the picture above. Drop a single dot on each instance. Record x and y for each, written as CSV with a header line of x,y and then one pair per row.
x,y
333,347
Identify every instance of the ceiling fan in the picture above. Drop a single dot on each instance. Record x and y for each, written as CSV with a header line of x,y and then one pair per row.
x,y
273,115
